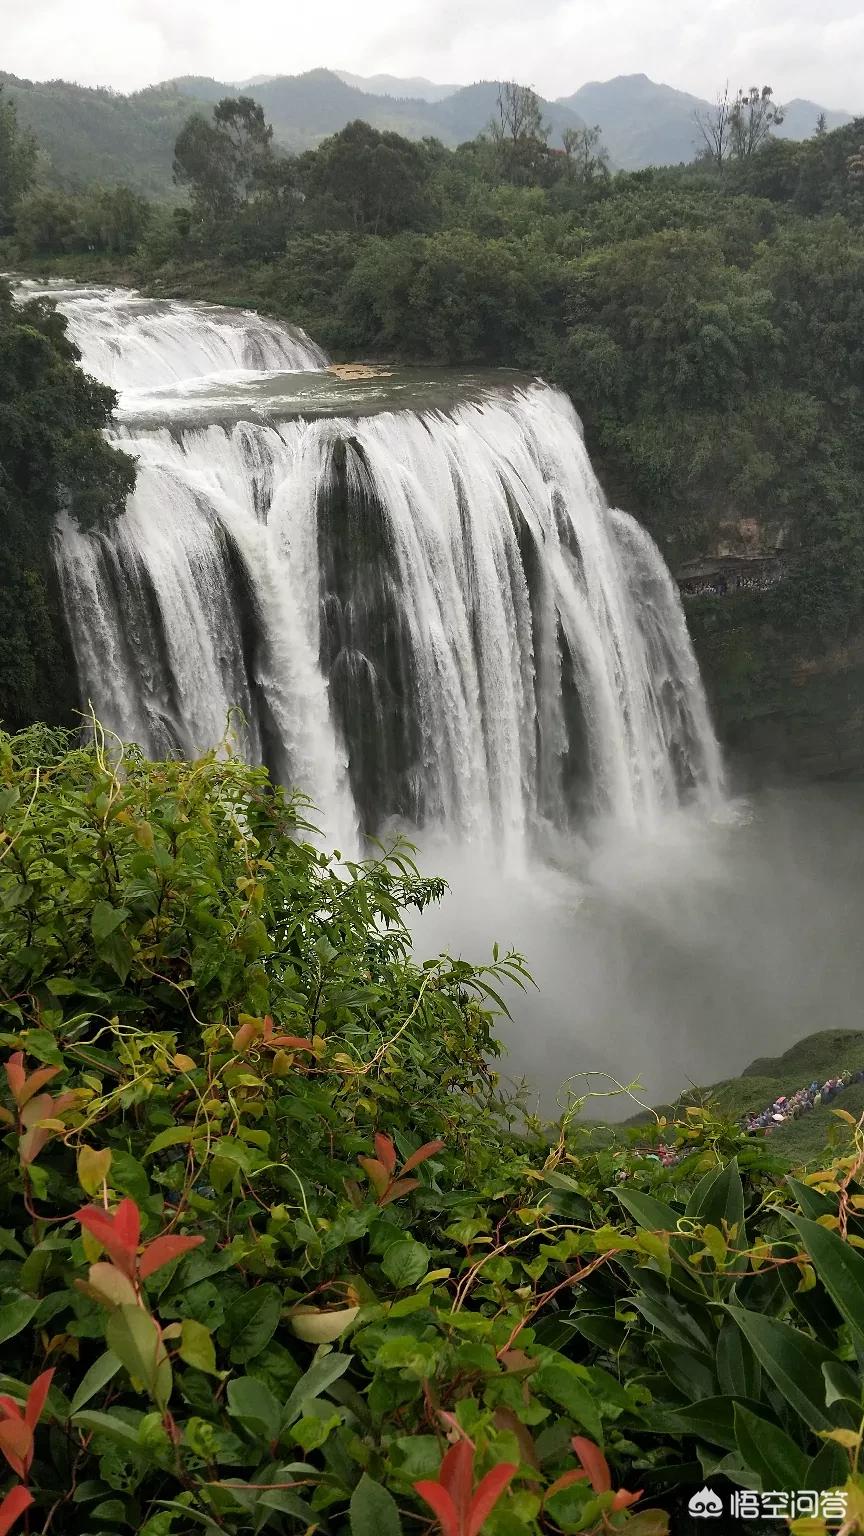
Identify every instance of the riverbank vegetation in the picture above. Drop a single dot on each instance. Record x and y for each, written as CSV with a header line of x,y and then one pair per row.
x,y
53,462
706,320
278,1250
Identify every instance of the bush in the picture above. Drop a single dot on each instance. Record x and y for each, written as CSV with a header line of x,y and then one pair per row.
x,y
273,1253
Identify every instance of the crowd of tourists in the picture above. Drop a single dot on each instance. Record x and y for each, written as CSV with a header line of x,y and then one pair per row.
x,y
786,1107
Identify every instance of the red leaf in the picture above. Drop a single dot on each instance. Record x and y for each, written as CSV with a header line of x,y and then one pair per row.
x,y
292,1042
576,1475
488,1493
441,1503
34,1082
386,1151
622,1498
457,1476
16,1444
118,1232
399,1187
14,1505
16,1076
36,1398
376,1173
421,1155
162,1250
10,1409
594,1462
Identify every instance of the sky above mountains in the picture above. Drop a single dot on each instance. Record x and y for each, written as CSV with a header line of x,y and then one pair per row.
x,y
800,47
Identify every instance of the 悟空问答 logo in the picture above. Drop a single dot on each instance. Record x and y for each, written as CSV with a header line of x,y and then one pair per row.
x,y
706,1505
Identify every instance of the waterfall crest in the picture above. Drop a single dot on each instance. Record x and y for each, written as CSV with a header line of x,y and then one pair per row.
x,y
134,343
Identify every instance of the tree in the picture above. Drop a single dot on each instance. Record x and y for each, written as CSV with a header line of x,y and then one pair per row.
x,y
370,182
18,152
518,130
821,125
53,459
587,158
715,125
752,119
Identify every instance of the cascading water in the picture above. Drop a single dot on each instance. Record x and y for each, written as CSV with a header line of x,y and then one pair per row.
x,y
426,614
134,343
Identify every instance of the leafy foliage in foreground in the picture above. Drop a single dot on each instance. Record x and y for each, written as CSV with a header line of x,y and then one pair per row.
x,y
272,1255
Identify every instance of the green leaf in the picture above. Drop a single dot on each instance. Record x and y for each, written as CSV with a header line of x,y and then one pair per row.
x,y
173,1137
100,1373
719,1199
738,1372
251,1322
317,1379
15,1315
710,1419
107,1424
674,1321
813,1202
793,1361
768,1451
405,1263
134,1337
105,920
373,1510
647,1212
196,1346
562,1384
839,1267
828,1469
254,1405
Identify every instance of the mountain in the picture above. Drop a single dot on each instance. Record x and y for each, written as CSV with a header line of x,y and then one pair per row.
x,y
417,87
98,135
800,118
645,123
306,108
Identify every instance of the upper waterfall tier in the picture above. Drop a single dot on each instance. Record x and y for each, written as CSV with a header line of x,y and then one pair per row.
x,y
138,344
427,614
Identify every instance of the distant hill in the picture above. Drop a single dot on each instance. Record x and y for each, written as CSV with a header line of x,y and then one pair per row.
x,y
800,118
98,135
90,135
645,123
306,108
416,87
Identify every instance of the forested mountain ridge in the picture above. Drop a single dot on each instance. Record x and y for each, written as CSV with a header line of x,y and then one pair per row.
x,y
646,123
97,135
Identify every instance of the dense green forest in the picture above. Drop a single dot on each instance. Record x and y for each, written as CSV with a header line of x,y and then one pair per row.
x,y
707,322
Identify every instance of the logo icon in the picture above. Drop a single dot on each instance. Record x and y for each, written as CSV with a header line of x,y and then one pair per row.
x,y
705,1505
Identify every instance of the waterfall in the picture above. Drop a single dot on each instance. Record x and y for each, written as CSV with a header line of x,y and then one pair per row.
x,y
429,615
134,343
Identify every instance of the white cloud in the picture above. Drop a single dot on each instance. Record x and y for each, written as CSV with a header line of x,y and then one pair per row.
x,y
799,48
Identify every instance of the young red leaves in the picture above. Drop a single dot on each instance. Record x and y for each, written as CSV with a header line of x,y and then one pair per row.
x,y
17,1426
381,1169
594,1467
39,1115
460,1508
13,1507
119,1233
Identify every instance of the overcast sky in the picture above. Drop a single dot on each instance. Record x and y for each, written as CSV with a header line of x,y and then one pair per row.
x,y
812,48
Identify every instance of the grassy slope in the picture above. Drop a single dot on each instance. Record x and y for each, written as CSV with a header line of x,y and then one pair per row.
x,y
818,1056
